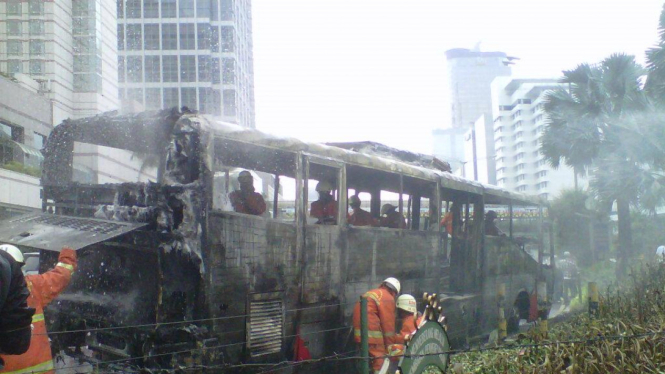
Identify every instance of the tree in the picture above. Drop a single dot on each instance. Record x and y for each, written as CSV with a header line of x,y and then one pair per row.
x,y
588,129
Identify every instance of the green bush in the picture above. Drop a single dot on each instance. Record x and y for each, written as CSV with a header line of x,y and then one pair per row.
x,y
23,169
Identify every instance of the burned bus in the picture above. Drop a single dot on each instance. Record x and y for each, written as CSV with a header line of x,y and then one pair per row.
x,y
169,273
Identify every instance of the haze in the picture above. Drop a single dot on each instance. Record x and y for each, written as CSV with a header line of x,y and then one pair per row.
x,y
342,70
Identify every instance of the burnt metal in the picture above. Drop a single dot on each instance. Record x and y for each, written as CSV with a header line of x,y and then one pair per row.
x,y
50,232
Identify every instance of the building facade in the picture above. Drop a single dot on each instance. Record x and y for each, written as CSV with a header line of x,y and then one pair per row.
x,y
519,121
470,74
193,53
26,118
69,47
479,163
449,146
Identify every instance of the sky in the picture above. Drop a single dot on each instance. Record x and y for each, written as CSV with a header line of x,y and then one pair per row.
x,y
355,70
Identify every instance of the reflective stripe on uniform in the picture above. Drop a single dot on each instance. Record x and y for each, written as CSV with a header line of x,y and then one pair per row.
x,y
66,266
39,368
38,318
370,334
374,297
389,334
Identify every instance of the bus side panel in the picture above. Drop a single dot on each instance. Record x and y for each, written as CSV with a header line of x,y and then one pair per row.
x,y
374,254
248,255
505,263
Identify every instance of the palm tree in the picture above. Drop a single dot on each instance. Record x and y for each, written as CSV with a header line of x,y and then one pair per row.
x,y
587,130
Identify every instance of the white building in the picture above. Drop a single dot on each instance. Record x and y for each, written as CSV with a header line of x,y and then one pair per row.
x,y
175,53
517,112
479,163
449,146
470,74
67,46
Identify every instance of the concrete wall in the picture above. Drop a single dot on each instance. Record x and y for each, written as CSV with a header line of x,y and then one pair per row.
x,y
19,189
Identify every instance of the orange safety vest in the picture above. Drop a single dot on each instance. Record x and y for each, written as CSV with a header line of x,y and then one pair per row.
x,y
43,289
380,317
409,326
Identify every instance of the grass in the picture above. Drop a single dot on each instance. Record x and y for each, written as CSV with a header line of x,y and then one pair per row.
x,y
637,308
23,169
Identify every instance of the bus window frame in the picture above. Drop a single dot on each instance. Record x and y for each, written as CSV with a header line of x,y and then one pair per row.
x,y
339,185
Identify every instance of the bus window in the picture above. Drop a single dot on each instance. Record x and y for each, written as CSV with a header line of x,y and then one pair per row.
x,y
323,195
358,211
97,164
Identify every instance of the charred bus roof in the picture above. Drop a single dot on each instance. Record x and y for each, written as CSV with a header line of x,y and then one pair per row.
x,y
149,132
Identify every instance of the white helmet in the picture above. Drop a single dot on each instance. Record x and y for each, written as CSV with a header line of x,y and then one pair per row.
x,y
14,252
394,283
407,303
324,186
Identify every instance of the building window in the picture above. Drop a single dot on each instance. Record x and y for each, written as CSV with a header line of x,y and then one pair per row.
x,y
36,47
150,9
169,36
134,38
169,9
120,9
89,82
153,98
187,36
189,97
214,39
14,66
204,68
216,71
186,8
15,132
229,103
121,69
36,27
135,94
203,36
226,10
171,98
170,69
36,67
133,8
14,47
14,28
214,10
38,140
134,69
203,8
121,36
152,69
36,7
228,44
14,8
187,69
151,37
216,102
203,100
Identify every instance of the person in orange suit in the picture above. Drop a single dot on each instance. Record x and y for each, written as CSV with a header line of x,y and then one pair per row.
x,y
380,321
246,200
325,208
391,218
406,311
43,289
359,217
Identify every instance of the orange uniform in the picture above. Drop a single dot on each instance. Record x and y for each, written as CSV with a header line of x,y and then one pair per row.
x,y
409,326
393,220
43,289
248,203
380,323
325,211
361,218
447,221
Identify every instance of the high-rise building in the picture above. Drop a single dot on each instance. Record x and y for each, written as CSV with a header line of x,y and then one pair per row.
x,y
519,121
194,53
479,162
66,46
470,74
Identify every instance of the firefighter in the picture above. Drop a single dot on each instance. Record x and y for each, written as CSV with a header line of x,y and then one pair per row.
x,y
359,217
380,320
393,219
325,208
43,289
15,314
246,200
411,319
